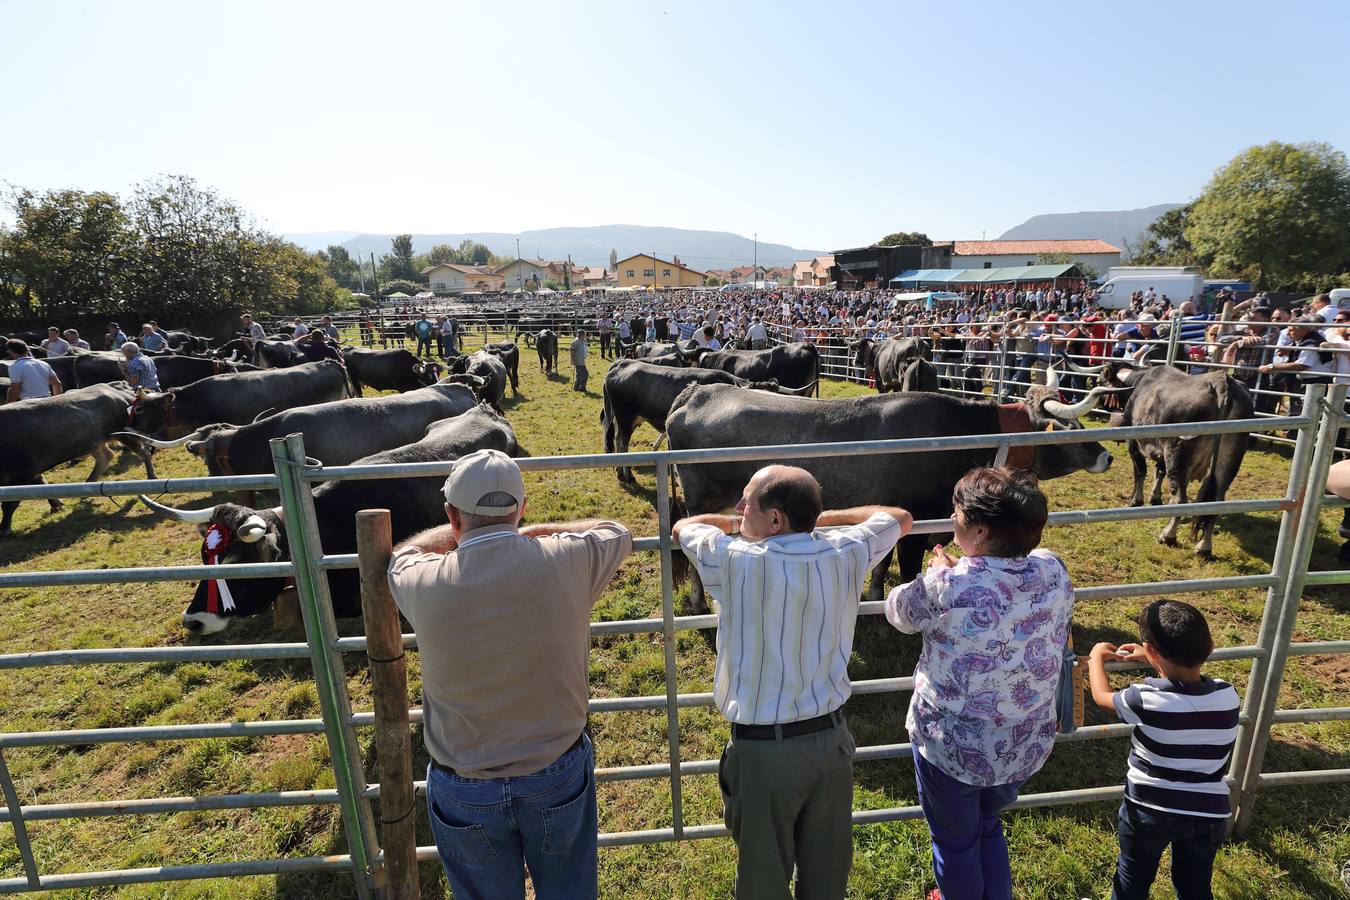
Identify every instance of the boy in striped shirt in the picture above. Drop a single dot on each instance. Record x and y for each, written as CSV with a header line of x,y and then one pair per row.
x,y
1185,727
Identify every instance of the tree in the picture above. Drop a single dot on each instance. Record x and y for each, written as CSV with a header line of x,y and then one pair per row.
x,y
401,257
905,239
67,251
341,267
1278,213
1065,259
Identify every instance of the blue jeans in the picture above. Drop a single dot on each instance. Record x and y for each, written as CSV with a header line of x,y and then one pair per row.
x,y
970,855
489,830
1144,835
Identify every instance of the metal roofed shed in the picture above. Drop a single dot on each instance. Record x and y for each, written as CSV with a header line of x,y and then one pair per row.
x,y
1002,275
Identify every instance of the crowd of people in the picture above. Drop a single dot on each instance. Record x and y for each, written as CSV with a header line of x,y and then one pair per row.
x,y
511,785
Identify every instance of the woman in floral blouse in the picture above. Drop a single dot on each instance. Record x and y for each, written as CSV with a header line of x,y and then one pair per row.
x,y
982,717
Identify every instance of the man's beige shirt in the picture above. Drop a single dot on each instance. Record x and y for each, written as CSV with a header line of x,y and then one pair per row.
x,y
503,629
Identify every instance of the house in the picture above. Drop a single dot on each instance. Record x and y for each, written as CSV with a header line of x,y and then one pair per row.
x,y
452,278
813,272
644,270
531,274
596,276
1089,254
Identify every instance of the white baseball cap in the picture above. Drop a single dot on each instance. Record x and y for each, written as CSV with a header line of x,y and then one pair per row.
x,y
480,473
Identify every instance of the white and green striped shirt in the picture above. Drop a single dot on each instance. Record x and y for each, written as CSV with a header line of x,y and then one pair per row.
x,y
786,607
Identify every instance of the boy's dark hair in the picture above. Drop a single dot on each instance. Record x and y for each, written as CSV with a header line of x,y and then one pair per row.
x,y
1009,502
16,345
798,498
1177,630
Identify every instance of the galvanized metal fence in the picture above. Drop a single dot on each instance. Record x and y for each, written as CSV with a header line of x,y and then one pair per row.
x,y
1299,509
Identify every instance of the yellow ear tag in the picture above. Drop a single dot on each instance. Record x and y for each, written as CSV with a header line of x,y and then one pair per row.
x,y
1050,426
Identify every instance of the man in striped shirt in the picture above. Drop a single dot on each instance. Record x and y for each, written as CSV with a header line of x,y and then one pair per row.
x,y
787,600
1185,724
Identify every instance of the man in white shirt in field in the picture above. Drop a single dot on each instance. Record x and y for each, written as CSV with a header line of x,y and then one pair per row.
x,y
787,600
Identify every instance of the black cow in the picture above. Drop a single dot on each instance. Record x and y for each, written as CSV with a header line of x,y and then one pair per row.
x,y
180,371
258,535
274,354
1163,395
336,433
546,344
509,354
187,342
235,348
649,349
388,370
637,391
886,361
49,431
236,398
791,365
485,372
721,416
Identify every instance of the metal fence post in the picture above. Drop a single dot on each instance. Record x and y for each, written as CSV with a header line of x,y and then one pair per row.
x,y
330,681
663,525
1002,367
30,869
1326,418
1173,339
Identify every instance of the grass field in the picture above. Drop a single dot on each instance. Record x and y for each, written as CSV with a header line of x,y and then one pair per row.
x,y
1301,837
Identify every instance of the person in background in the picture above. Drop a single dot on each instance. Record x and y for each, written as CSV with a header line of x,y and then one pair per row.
x,y
315,346
140,369
1185,726
29,378
605,325
758,335
252,330
424,330
300,328
55,345
1338,483
502,618
329,328
982,719
786,597
449,330
115,336
577,351
74,340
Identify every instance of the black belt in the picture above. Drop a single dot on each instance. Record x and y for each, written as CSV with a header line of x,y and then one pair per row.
x,y
449,771
787,729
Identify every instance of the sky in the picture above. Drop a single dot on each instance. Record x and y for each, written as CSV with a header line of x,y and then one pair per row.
x,y
818,125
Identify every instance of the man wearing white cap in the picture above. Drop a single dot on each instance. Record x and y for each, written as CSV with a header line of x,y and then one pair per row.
x,y
502,617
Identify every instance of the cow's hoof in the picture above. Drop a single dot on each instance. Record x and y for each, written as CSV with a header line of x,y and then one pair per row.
x,y
1136,501
55,504
1169,540
1155,501
1204,551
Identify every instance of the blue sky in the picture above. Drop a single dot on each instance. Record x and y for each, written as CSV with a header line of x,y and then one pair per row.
x,y
817,125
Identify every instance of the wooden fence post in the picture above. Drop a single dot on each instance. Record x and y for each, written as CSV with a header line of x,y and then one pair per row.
x,y
389,678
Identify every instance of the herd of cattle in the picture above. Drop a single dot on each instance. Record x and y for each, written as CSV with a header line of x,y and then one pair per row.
x,y
225,411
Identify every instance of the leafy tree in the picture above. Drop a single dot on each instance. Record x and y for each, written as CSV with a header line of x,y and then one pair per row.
x,y
340,265
905,239
405,285
401,257
67,251
1277,213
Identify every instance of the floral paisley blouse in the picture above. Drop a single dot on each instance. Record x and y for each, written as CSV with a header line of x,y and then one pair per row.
x,y
983,709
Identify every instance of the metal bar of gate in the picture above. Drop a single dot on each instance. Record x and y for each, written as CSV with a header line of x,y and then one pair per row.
x,y
288,455
15,808
1329,405
663,521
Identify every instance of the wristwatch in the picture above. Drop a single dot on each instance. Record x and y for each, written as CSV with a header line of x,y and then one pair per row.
x,y
735,525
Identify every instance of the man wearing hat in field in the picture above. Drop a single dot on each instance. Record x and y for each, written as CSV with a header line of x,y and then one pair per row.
x,y
502,617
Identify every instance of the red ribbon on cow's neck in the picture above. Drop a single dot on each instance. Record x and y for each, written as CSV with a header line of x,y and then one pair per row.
x,y
1015,418
218,537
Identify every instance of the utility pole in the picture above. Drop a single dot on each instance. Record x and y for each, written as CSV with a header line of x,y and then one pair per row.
x,y
374,278
520,270
754,270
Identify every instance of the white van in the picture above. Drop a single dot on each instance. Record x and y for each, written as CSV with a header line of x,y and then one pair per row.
x,y
1115,294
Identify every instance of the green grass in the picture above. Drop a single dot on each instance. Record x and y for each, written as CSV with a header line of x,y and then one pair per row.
x,y
1301,836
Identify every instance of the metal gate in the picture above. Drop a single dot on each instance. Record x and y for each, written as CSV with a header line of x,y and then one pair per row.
x,y
1299,510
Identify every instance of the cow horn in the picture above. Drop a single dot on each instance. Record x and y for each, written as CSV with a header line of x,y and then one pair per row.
x,y
1125,373
1066,412
1051,377
798,392
264,414
194,516
156,443
1083,370
253,529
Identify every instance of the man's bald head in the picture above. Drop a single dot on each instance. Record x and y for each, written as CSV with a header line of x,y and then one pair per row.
x,y
792,490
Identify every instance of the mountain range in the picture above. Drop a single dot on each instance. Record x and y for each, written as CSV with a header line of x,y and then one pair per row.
x,y
1117,226
703,250
588,246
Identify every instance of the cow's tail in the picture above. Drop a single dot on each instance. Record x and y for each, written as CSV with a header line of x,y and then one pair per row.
x,y
679,563
1224,399
607,424
815,375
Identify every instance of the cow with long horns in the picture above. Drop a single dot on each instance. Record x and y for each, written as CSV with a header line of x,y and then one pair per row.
x,y
388,370
244,535
723,416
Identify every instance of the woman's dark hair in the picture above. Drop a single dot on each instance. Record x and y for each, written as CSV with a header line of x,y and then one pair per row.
x,y
1009,502
1178,631
798,498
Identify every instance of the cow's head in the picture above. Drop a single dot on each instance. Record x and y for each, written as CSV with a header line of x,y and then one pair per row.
x,y
152,412
212,444
1118,374
862,352
458,365
1047,413
475,383
231,534
427,373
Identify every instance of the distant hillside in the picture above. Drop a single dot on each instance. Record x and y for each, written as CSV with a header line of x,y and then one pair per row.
x,y
1115,226
589,246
